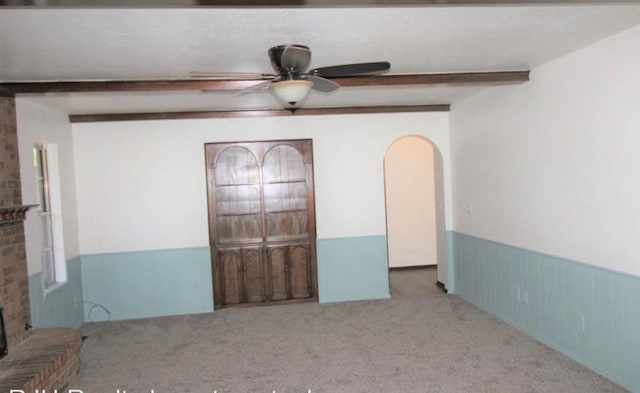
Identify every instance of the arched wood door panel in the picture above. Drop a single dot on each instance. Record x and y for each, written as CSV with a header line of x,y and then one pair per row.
x,y
262,222
237,197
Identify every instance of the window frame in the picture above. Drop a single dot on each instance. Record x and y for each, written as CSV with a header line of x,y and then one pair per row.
x,y
52,254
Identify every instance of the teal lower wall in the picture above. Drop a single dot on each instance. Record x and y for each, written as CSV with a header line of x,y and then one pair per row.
x,y
450,285
60,307
353,268
589,313
147,283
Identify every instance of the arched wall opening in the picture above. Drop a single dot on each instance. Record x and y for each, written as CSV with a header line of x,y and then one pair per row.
x,y
414,197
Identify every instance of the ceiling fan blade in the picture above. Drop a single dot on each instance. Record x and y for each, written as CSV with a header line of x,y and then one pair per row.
x,y
352,69
296,57
322,84
230,75
253,89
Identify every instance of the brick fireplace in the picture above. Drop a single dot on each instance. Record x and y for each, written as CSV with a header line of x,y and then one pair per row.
x,y
14,280
44,358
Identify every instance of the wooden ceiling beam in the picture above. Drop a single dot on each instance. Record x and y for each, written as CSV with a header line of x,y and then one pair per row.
x,y
283,3
462,78
125,86
255,113
466,78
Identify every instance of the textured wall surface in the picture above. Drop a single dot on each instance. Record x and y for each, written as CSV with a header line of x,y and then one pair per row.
x,y
552,165
142,209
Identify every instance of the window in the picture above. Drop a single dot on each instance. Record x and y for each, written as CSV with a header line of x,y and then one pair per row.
x,y
52,246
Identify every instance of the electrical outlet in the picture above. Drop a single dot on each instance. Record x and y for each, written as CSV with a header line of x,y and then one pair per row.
x,y
584,325
469,210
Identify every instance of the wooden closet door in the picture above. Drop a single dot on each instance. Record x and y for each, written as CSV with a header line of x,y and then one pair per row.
x,y
288,235
238,226
262,222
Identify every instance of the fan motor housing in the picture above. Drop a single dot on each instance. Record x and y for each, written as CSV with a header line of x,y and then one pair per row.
x,y
296,65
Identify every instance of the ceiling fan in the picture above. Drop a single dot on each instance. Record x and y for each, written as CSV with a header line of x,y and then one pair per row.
x,y
292,80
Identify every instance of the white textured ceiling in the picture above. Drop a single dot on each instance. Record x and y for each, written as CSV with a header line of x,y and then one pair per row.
x,y
81,44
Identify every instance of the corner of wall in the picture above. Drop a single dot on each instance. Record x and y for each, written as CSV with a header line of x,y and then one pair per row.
x,y
61,306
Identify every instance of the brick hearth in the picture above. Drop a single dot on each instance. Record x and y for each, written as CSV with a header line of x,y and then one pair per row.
x,y
48,360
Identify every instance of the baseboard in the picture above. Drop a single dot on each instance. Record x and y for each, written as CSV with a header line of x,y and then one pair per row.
x,y
415,267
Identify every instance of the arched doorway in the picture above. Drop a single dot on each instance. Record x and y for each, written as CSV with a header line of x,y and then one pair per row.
x,y
414,196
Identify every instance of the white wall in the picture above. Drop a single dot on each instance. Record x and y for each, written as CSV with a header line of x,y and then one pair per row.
x,y
142,185
553,165
38,123
411,205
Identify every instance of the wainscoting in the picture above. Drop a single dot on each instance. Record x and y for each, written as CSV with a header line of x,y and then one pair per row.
x,y
60,307
145,284
154,283
589,313
352,268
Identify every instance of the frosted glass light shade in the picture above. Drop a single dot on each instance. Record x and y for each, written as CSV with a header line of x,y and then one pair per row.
x,y
291,91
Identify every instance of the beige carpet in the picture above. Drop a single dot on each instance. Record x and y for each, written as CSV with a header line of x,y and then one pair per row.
x,y
434,343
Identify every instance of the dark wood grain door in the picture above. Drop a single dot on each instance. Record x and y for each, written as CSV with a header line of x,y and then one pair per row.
x,y
262,222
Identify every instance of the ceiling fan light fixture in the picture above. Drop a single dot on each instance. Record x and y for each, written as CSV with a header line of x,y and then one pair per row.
x,y
291,91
